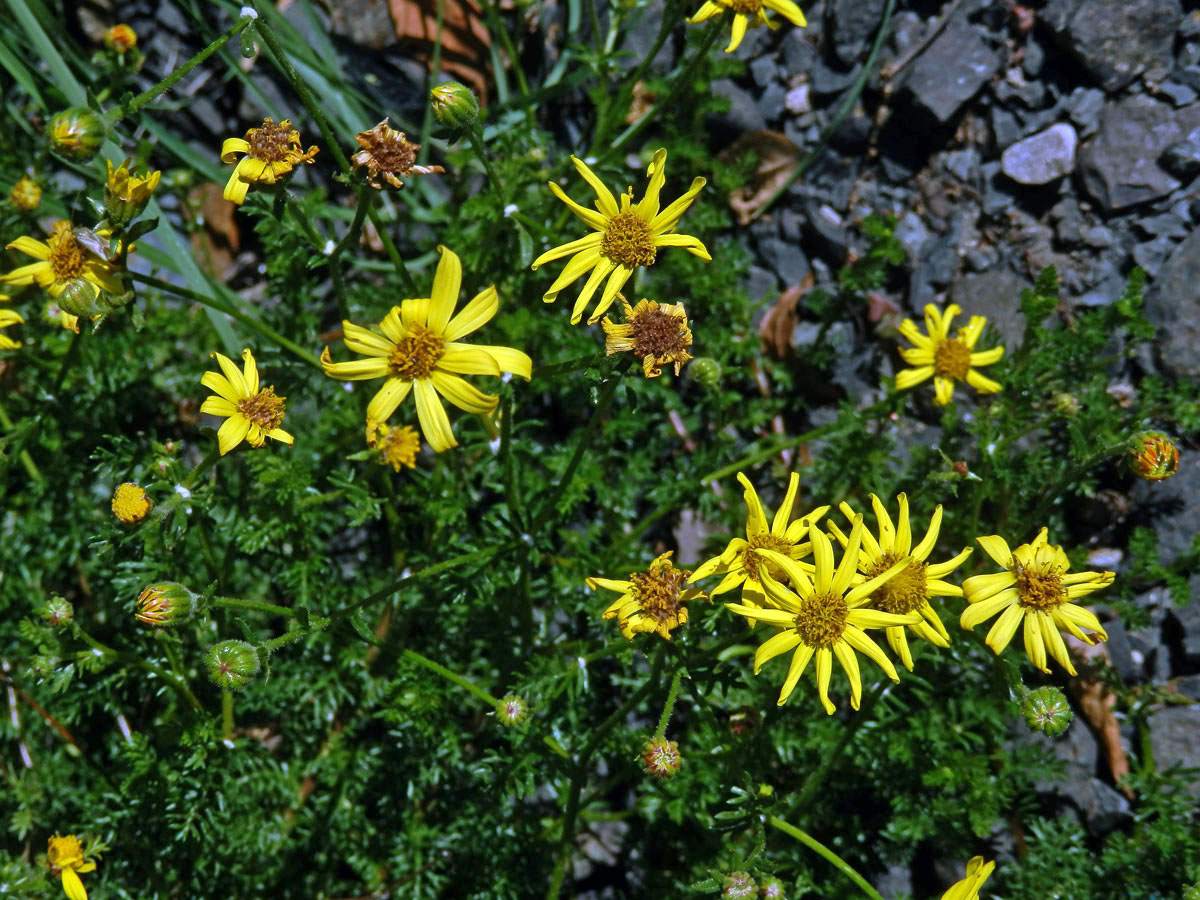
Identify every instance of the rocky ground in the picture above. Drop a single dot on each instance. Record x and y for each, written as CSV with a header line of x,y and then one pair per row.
x,y
1004,138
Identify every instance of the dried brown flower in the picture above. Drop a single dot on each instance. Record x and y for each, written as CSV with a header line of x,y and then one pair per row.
x,y
387,152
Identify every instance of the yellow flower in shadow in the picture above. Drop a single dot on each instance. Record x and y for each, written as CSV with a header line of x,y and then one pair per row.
x,y
66,860
270,151
748,14
64,258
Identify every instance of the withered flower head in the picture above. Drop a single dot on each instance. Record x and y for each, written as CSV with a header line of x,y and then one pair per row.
x,y
657,333
387,152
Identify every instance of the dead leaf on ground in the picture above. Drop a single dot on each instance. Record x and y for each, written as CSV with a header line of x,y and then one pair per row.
x,y
780,321
217,243
778,159
1096,702
465,38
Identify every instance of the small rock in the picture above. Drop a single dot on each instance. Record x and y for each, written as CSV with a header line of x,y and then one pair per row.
x,y
1084,106
951,71
998,195
1006,127
1116,40
762,284
1179,94
1067,220
963,164
1035,57
799,55
1189,28
1182,159
1150,254
1168,224
827,82
1173,731
1120,165
743,114
770,104
787,260
1042,158
1098,237
938,263
1189,75
912,235
797,100
997,295
764,71
851,24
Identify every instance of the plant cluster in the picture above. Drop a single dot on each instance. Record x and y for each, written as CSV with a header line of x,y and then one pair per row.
x,y
272,632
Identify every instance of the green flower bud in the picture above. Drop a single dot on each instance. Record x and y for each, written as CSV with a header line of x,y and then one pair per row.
x,y
454,106
512,710
165,603
739,885
76,133
79,297
707,371
1046,710
661,758
1153,456
232,664
58,612
771,889
1066,405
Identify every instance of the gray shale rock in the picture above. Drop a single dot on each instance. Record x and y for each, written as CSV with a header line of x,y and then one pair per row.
x,y
997,295
951,71
1116,40
1121,165
852,24
1045,157
1173,304
1173,733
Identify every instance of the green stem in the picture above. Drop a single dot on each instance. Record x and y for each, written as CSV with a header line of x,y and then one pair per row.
x,y
167,83
429,571
258,605
821,850
678,83
302,91
497,27
567,839
389,246
227,714
177,684
451,676
220,306
476,140
607,394
816,778
203,466
23,455
366,198
668,707
68,361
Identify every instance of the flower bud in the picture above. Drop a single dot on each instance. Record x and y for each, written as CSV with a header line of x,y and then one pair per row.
x,y
120,38
78,298
739,885
125,195
512,710
1066,405
1046,710
1153,456
661,758
771,889
130,503
232,664
165,603
454,106
706,371
76,133
58,612
26,195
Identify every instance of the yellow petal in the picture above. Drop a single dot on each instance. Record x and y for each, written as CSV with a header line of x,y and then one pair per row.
x,y
232,374
432,416
462,394
387,398
232,432
474,315
231,147
249,372
447,282
73,885
605,201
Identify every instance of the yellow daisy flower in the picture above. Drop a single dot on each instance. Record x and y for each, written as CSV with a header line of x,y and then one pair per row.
x,y
747,14
911,589
65,857
62,259
398,446
126,195
420,352
825,616
968,888
657,333
947,359
650,601
130,503
1035,590
251,414
271,150
9,317
741,563
626,236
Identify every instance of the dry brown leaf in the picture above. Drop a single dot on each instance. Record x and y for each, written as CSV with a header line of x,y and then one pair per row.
x,y
780,321
777,157
1096,702
465,38
215,245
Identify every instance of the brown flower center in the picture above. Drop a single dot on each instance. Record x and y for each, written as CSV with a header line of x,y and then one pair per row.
x,y
905,591
627,241
417,354
658,334
66,257
1039,588
952,359
822,620
746,7
764,540
658,593
271,142
264,409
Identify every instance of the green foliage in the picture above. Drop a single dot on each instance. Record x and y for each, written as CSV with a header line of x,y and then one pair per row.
x,y
378,613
